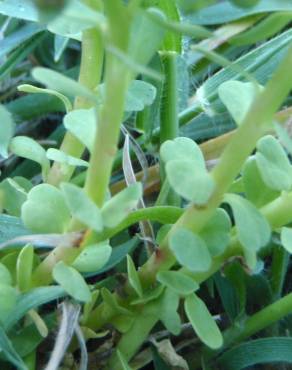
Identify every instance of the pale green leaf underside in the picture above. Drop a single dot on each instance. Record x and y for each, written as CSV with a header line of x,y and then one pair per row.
x,y
190,250
202,322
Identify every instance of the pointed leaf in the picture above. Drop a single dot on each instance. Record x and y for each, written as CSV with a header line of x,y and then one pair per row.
x,y
93,258
82,207
45,210
24,267
72,282
202,322
133,277
190,250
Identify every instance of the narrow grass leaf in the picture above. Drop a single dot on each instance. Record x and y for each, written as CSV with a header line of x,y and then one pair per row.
x,y
9,351
30,300
274,350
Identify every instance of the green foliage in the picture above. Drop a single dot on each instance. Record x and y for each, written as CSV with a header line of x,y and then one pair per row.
x,y
82,206
273,164
190,250
45,210
72,282
92,92
202,322
7,131
93,258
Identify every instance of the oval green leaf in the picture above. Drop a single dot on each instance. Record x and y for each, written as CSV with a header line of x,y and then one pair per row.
x,y
177,281
93,258
45,210
202,322
189,181
82,207
190,250
72,282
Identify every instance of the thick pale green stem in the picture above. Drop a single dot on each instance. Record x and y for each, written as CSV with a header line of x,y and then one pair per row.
x,y
105,147
169,125
90,74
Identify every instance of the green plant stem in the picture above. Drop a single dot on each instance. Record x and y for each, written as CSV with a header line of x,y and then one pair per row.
x,y
89,76
280,263
260,320
105,147
169,124
256,123
169,110
244,141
